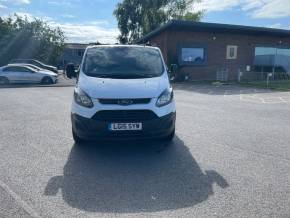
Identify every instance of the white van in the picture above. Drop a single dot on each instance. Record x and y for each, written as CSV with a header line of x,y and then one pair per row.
x,y
123,91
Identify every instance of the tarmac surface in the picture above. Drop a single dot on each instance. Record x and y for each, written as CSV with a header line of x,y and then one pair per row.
x,y
230,158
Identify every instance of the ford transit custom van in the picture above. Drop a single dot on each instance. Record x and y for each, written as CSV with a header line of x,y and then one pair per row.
x,y
123,91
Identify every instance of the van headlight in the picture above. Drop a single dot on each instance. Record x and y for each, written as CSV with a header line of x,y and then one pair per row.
x,y
165,98
82,98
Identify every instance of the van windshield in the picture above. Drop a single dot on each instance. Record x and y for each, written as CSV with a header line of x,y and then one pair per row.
x,y
123,62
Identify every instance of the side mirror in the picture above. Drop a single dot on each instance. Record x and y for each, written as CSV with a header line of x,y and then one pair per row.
x,y
173,68
70,71
173,72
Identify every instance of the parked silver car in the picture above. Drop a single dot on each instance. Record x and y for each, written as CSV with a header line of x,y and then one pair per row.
x,y
31,66
11,74
35,63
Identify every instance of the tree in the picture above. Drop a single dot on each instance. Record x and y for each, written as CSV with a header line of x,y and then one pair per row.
x,y
22,38
139,17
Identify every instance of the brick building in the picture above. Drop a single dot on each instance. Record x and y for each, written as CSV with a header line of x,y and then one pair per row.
x,y
210,51
73,53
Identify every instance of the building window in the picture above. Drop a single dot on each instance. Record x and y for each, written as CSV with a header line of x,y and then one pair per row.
x,y
272,59
232,52
192,56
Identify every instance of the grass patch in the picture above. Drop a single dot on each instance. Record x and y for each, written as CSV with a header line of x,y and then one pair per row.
x,y
281,85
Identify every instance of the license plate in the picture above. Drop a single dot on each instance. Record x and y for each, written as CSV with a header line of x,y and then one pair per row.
x,y
125,126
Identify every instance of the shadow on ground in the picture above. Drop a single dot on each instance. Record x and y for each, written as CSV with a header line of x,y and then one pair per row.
x,y
133,177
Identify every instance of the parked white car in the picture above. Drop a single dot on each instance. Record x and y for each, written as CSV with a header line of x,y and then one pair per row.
x,y
12,74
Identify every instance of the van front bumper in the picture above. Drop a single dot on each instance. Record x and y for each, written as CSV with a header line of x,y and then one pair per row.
x,y
91,129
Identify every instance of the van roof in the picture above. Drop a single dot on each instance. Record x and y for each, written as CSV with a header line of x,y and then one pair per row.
x,y
130,46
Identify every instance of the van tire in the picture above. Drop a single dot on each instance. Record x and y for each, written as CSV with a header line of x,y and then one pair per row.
x,y
4,81
46,80
78,141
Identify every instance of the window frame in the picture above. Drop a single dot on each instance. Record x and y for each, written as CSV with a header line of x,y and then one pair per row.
x,y
276,46
268,45
192,45
228,52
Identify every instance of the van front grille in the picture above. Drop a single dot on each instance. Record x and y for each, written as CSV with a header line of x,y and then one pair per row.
x,y
124,115
131,101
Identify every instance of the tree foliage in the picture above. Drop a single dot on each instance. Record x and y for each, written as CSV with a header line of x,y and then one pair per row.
x,y
138,17
22,38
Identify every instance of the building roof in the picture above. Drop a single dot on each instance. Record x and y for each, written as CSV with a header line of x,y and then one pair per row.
x,y
215,28
76,45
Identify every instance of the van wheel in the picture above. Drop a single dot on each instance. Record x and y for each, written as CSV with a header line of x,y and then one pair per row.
x,y
46,81
4,81
78,141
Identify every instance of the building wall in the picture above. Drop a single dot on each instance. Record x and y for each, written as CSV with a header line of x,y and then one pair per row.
x,y
73,55
216,43
161,42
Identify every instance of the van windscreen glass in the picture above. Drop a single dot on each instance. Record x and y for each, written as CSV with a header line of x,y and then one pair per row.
x,y
123,62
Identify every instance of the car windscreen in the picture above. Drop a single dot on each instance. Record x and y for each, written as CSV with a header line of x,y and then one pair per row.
x,y
123,62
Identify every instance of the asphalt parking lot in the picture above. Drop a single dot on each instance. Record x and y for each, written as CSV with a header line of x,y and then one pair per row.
x,y
230,158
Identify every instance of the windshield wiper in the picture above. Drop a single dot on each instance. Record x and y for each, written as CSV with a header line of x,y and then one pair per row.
x,y
125,76
120,76
134,76
100,75
146,75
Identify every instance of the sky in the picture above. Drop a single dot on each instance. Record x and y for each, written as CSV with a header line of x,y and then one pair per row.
x,y
85,21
